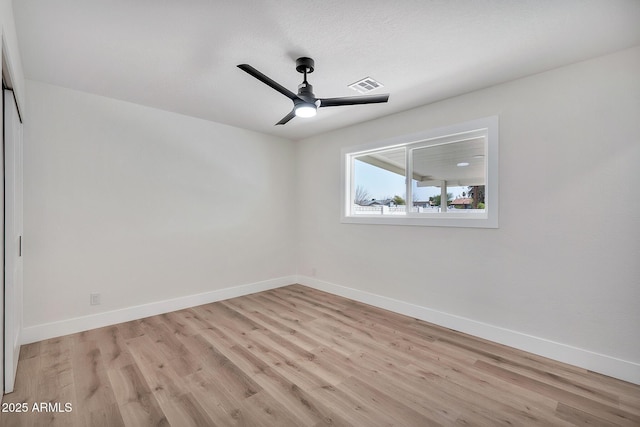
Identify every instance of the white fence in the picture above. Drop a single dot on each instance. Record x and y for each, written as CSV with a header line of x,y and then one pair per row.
x,y
402,210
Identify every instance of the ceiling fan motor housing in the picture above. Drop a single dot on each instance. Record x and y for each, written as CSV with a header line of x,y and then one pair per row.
x,y
305,91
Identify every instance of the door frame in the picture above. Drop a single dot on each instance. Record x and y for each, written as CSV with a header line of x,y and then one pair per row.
x,y
12,142
9,310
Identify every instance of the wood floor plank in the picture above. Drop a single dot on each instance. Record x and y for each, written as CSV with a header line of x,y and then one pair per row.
x,y
296,356
228,374
93,389
282,326
262,409
581,418
611,413
191,318
132,329
572,379
135,399
296,400
352,408
341,343
105,416
166,341
279,309
163,382
185,410
225,408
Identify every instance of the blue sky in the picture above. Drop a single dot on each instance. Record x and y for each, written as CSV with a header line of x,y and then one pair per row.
x,y
382,184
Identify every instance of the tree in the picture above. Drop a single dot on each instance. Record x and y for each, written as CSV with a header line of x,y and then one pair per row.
x,y
435,200
476,192
362,195
398,200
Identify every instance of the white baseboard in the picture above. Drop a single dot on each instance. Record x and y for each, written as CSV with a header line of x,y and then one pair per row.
x,y
84,323
601,363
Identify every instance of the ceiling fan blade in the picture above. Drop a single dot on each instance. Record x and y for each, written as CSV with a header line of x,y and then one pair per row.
x,y
286,118
266,80
353,100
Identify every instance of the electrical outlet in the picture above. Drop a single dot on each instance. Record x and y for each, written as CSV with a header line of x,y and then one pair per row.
x,y
314,271
94,299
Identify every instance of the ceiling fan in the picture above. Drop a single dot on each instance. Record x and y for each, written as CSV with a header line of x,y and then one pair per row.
x,y
305,103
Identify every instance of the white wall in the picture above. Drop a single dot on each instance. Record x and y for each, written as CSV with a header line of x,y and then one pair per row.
x,y
564,265
142,206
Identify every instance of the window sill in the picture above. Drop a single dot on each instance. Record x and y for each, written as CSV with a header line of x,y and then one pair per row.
x,y
448,219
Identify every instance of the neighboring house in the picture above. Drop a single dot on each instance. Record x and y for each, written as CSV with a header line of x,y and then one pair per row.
x,y
422,204
374,202
462,203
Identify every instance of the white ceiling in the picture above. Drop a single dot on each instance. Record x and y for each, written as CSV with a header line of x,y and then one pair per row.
x,y
181,56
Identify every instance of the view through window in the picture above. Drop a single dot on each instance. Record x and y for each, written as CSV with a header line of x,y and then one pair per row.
x,y
445,176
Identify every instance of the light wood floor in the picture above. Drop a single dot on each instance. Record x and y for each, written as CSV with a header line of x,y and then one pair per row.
x,y
295,356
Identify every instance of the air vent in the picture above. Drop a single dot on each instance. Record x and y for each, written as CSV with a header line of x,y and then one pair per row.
x,y
366,85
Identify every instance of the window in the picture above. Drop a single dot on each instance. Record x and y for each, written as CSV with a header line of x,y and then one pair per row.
x,y
442,177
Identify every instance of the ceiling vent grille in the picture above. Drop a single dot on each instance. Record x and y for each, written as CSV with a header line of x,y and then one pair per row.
x,y
366,85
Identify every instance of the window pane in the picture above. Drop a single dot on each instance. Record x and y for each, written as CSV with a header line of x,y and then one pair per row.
x,y
446,177
379,183
454,171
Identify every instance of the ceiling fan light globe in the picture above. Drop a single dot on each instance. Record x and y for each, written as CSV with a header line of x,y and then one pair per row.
x,y
305,110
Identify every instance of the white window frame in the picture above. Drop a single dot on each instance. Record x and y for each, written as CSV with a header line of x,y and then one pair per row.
x,y
487,127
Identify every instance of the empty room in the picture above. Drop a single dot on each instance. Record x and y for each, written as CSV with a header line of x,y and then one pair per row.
x,y
320,213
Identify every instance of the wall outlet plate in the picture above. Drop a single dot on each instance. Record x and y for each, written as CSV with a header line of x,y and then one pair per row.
x,y
94,299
